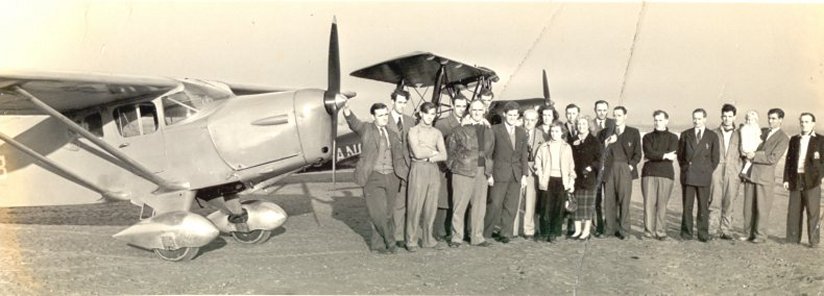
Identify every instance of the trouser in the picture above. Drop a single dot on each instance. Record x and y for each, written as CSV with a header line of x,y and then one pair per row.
x,y
443,218
469,190
801,199
757,206
724,193
379,192
526,208
399,216
503,203
690,194
424,184
553,208
618,193
656,191
599,211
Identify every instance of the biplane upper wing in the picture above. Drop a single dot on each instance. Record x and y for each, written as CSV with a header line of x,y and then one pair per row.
x,y
420,68
68,91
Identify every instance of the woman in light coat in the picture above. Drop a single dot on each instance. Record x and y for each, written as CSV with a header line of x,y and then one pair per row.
x,y
555,170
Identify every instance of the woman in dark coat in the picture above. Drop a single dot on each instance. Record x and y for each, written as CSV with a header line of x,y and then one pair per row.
x,y
586,151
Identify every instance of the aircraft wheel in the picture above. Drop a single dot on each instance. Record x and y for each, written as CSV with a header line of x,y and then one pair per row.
x,y
182,254
252,237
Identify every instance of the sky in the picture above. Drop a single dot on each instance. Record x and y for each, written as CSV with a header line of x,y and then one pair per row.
x,y
645,56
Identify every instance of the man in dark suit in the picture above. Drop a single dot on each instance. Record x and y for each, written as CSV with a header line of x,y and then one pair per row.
x,y
621,167
803,170
379,170
571,125
698,156
601,123
446,125
400,123
758,191
509,174
725,180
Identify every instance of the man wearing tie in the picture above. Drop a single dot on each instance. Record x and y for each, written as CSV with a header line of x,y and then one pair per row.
x,y
572,112
599,123
725,179
509,174
621,167
758,191
400,123
803,170
379,170
698,156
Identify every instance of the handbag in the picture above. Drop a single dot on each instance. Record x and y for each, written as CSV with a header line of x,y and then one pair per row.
x,y
571,204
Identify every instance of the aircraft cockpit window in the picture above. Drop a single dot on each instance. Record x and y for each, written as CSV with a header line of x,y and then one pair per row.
x,y
136,120
92,123
179,106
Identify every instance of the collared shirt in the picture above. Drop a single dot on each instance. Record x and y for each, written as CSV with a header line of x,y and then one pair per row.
x,y
619,129
802,152
510,128
382,131
699,133
727,138
398,117
601,122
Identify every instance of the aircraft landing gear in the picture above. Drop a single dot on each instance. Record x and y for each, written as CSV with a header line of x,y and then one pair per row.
x,y
252,237
181,254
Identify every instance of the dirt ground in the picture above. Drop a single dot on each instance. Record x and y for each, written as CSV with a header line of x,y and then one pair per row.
x,y
69,250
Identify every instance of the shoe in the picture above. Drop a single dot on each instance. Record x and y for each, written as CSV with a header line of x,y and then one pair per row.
x,y
584,238
621,236
400,244
686,237
529,237
454,245
663,238
573,236
440,246
704,239
411,249
757,240
725,236
392,250
744,238
551,239
648,235
813,246
484,244
504,240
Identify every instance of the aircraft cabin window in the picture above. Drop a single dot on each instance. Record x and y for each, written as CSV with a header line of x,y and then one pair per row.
x,y
93,123
179,106
136,120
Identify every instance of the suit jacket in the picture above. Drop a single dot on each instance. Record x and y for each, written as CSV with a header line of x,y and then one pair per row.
x,y
813,162
629,142
587,154
509,163
698,159
730,156
408,123
767,156
609,126
569,129
370,141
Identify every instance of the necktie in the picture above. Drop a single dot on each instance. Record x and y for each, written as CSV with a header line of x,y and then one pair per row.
x,y
700,133
601,124
400,124
385,136
511,131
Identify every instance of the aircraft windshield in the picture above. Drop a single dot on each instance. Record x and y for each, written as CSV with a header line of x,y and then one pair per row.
x,y
179,106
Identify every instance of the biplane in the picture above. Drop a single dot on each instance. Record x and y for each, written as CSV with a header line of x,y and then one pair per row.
x,y
164,144
421,72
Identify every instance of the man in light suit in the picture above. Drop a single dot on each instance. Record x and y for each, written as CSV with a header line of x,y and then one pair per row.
x,y
758,191
698,156
725,180
446,125
601,123
379,170
400,123
803,170
509,174
528,198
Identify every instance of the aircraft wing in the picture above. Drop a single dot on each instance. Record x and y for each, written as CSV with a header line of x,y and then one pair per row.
x,y
419,69
68,91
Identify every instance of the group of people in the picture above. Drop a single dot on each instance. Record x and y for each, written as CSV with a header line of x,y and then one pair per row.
x,y
424,179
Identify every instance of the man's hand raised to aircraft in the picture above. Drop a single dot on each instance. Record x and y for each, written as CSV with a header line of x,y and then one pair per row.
x,y
345,108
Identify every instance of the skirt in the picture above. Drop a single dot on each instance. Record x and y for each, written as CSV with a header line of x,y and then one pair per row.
x,y
586,204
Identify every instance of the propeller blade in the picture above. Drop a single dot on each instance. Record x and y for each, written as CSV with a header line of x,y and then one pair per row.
x,y
334,146
546,90
334,60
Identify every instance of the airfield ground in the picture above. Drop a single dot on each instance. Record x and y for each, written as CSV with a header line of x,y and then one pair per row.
x,y
69,250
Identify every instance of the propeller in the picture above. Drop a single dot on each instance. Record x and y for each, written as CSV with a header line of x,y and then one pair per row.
x,y
333,99
546,91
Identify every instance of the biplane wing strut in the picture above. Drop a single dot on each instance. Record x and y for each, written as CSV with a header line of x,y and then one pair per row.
x,y
132,165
